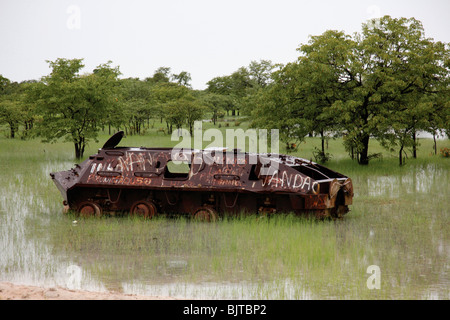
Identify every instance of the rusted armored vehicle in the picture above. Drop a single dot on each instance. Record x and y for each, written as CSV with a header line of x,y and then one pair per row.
x,y
209,184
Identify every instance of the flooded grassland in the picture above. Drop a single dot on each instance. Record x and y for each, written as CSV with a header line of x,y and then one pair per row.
x,y
394,243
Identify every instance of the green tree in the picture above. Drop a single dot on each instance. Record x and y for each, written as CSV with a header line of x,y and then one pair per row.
x,y
233,86
297,96
137,104
183,78
362,83
193,110
162,74
260,73
215,103
28,107
73,106
273,111
11,114
242,86
11,105
165,96
439,117
400,71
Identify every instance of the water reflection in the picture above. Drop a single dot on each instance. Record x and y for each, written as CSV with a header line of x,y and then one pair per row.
x,y
37,245
284,289
26,204
416,180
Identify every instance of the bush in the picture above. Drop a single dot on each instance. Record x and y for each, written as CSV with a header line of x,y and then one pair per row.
x,y
445,152
321,157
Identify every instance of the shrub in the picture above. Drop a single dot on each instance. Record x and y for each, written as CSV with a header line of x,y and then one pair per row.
x,y
445,152
321,157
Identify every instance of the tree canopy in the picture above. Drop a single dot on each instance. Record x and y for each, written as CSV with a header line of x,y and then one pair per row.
x,y
381,83
386,82
73,106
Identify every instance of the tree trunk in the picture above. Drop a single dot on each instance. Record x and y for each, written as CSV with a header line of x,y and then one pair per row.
x,y
323,142
364,153
12,130
435,144
400,159
414,144
79,148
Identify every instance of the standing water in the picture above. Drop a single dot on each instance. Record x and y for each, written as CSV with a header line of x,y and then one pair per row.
x,y
399,223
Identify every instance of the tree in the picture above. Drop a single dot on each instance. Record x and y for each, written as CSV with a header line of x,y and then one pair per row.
x,y
358,82
261,72
193,111
234,87
379,83
73,106
162,74
215,103
4,85
183,78
136,103
273,111
185,110
165,96
11,113
11,106
411,70
297,96
28,106
439,117
399,130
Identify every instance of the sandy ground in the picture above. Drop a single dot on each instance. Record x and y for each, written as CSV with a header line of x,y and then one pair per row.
x,y
9,291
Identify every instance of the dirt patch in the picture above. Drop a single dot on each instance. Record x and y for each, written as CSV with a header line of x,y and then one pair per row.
x,y
10,291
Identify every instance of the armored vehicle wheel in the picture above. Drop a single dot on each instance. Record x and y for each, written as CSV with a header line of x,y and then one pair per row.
x,y
89,209
205,214
144,209
266,211
340,211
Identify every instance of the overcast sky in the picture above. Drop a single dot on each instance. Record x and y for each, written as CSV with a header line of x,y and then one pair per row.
x,y
207,38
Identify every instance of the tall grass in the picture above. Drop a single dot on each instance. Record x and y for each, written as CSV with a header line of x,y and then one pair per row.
x,y
399,221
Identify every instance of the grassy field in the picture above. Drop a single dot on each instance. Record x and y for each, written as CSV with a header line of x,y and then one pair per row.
x,y
399,222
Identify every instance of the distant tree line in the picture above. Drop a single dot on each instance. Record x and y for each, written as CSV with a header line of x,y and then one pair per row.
x,y
74,107
385,83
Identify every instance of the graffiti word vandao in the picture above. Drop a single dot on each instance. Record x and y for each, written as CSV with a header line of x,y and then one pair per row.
x,y
290,181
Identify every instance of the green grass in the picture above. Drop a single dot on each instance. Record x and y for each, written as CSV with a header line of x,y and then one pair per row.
x,y
399,221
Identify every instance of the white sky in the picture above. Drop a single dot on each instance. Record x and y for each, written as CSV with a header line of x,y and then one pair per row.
x,y
207,38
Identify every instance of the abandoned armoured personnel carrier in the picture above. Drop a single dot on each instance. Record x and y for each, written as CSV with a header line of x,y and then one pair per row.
x,y
146,181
